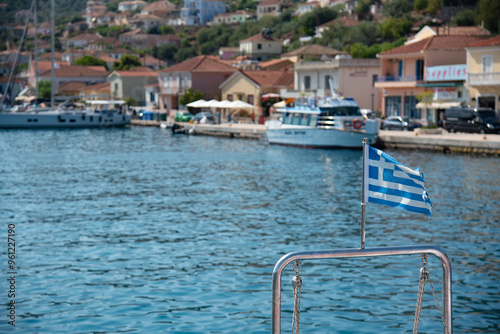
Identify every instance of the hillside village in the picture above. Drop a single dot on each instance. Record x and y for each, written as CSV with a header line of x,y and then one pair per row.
x,y
151,54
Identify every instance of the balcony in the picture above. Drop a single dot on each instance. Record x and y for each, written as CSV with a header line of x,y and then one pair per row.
x,y
398,81
483,79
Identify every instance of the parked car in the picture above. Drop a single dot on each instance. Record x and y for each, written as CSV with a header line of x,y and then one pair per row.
x,y
203,118
399,123
183,116
467,119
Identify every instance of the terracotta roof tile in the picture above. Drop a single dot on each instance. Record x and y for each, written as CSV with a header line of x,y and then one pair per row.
x,y
78,71
260,38
270,78
138,71
201,64
269,2
487,42
100,86
314,50
464,31
455,42
72,86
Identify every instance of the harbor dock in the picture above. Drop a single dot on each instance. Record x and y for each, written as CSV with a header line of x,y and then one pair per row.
x,y
439,141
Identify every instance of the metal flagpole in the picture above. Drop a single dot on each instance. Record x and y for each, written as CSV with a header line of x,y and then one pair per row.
x,y
363,192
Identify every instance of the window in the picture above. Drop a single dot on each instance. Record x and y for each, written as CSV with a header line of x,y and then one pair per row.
x,y
400,68
410,107
393,106
487,63
230,97
259,46
185,81
171,81
165,82
250,99
419,69
307,82
327,81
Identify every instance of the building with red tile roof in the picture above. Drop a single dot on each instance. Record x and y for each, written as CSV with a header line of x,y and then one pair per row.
x,y
202,73
435,65
131,83
261,46
248,86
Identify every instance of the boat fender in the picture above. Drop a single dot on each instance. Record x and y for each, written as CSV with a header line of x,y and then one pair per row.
x,y
357,124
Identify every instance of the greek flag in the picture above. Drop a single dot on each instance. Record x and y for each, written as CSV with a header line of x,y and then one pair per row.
x,y
388,182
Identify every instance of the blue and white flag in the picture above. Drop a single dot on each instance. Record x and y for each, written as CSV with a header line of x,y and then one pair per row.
x,y
390,183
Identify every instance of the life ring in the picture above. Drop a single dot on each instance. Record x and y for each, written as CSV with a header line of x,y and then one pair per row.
x,y
357,124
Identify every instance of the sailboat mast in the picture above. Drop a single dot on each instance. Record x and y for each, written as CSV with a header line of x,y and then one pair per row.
x,y
35,21
53,42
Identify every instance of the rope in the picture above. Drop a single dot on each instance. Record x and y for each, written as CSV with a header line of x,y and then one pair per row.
x,y
296,285
424,275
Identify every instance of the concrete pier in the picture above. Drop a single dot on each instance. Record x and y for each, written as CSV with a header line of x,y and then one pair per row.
x,y
421,139
469,143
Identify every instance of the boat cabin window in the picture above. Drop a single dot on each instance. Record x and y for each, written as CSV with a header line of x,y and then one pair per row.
x,y
314,120
340,111
300,119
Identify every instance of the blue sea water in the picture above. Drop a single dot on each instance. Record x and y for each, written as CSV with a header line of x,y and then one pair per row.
x,y
137,231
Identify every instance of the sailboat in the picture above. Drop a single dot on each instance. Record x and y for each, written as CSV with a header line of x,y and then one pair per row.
x,y
102,113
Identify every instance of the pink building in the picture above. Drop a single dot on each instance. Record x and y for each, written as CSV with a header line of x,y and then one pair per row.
x,y
421,79
202,73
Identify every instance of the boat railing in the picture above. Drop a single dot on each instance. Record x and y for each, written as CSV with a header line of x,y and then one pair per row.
x,y
326,121
355,253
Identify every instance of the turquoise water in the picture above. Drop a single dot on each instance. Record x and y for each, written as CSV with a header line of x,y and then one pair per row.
x,y
133,230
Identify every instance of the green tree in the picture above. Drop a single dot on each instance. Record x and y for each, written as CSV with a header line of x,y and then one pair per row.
x,y
165,52
420,5
397,8
309,21
44,89
190,95
184,54
434,6
487,13
166,30
465,18
90,61
394,28
127,62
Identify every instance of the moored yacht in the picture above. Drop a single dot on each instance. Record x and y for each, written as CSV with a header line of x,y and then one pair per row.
x,y
101,113
330,123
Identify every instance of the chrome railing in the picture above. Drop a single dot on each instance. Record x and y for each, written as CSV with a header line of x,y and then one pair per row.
x,y
361,252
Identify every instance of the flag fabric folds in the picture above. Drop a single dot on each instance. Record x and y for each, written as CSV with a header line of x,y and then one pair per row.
x,y
388,182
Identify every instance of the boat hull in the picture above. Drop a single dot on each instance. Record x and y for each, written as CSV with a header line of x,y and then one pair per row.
x,y
61,120
319,138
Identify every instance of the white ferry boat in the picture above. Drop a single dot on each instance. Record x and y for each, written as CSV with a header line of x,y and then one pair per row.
x,y
101,113
331,123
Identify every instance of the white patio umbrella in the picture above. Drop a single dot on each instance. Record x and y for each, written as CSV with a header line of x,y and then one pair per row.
x,y
241,105
196,104
212,104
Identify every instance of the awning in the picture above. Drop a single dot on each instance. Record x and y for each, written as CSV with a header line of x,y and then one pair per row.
x,y
437,105
440,84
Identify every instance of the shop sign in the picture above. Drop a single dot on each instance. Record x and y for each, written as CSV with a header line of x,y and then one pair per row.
x,y
446,73
445,93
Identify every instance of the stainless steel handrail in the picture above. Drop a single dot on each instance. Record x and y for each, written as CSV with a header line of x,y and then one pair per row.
x,y
365,252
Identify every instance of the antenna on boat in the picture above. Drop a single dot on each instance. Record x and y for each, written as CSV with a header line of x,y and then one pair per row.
x,y
364,192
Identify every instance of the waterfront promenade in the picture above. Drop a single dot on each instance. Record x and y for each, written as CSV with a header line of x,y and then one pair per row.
x,y
469,143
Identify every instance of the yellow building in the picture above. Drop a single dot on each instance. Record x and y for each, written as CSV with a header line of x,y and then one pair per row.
x,y
483,73
249,86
